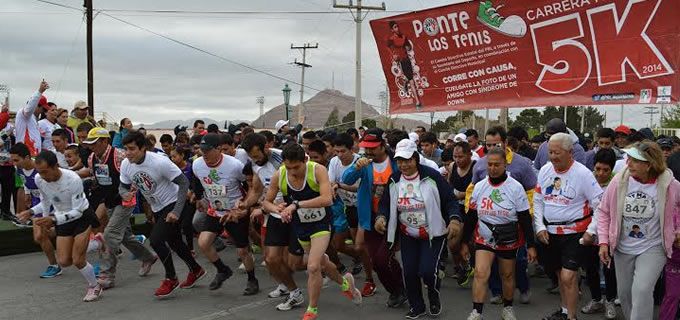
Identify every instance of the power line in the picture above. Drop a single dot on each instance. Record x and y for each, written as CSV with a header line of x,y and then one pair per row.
x,y
232,12
188,45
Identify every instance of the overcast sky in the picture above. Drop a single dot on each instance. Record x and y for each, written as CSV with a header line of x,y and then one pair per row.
x,y
148,78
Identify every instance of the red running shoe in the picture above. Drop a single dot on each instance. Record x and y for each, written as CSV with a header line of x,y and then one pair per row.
x,y
167,287
192,278
369,289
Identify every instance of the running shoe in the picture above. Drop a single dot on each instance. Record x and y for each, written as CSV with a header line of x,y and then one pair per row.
x,y
192,278
508,313
252,288
396,300
342,269
553,289
369,289
146,266
168,286
19,224
525,297
242,268
140,238
474,315
310,316
593,307
357,268
557,315
279,292
352,292
220,277
609,310
413,314
51,272
93,293
496,300
295,298
465,280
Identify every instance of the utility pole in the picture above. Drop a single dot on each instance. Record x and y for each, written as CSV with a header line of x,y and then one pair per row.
x,y
486,121
621,122
260,100
358,18
90,63
583,118
304,66
431,120
651,111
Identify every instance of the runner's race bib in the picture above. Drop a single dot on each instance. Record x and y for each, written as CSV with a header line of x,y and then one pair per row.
x,y
413,219
217,196
101,172
308,215
638,208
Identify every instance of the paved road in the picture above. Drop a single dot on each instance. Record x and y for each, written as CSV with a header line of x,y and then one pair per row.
x,y
23,295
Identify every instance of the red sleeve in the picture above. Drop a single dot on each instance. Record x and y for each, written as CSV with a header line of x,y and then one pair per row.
x,y
4,118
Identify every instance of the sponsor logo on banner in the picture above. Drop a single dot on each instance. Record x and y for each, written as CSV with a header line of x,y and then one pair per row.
x,y
645,96
663,94
525,53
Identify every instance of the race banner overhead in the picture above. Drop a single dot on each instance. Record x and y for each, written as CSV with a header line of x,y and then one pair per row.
x,y
523,53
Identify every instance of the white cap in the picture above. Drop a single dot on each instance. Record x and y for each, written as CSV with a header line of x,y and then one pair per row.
x,y
460,137
280,124
405,149
413,137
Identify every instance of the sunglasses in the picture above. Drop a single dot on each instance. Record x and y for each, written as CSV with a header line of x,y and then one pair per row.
x,y
494,145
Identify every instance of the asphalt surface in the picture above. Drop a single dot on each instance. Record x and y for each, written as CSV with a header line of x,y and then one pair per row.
x,y
23,295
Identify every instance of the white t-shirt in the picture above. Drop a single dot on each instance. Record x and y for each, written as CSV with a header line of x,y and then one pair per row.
x,y
566,197
61,158
411,208
266,172
26,125
241,155
46,128
65,195
497,204
640,227
221,184
153,178
335,172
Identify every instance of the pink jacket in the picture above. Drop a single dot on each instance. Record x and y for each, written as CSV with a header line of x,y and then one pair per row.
x,y
609,215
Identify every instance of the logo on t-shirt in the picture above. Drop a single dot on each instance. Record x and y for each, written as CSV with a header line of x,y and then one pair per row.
x,y
560,191
144,182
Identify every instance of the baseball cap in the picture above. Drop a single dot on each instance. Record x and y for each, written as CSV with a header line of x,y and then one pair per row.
x,y
555,125
280,124
43,103
413,137
95,133
80,105
665,143
460,137
210,141
405,149
372,138
622,129
636,153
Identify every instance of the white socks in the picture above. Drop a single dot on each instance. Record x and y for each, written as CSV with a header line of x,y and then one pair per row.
x,y
88,273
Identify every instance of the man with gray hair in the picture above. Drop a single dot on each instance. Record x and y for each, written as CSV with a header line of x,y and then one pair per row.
x,y
564,199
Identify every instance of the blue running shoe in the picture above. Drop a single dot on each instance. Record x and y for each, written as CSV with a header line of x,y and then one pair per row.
x,y
51,272
140,238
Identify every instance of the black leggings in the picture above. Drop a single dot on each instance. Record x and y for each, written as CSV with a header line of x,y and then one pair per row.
x,y
591,264
169,233
187,226
7,185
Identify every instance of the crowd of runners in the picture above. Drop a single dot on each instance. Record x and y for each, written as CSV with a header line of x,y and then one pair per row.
x,y
597,212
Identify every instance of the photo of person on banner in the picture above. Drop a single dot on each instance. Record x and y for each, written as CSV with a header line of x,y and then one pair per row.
x,y
404,65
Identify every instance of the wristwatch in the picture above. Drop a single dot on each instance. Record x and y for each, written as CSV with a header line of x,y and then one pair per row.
x,y
296,204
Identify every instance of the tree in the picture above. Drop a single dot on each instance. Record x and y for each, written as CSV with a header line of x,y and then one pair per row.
x,y
528,119
333,118
593,117
369,123
439,126
347,121
671,117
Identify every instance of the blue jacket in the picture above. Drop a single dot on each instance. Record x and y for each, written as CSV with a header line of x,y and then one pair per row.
x,y
440,206
351,176
118,138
